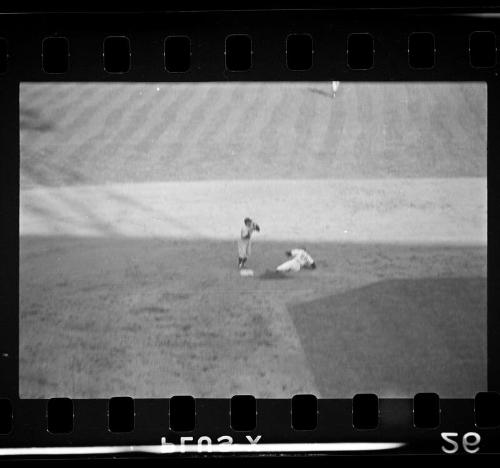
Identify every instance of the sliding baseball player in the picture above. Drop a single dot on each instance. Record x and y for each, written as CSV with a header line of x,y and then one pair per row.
x,y
299,258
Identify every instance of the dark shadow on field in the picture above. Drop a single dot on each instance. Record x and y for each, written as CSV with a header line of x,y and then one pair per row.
x,y
93,308
32,120
274,275
399,336
319,91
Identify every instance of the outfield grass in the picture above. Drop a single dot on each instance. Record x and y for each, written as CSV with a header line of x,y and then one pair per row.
x,y
81,133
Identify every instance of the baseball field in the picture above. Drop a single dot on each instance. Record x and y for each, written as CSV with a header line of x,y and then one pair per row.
x,y
132,200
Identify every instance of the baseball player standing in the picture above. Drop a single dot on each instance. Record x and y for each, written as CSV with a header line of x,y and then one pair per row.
x,y
245,241
335,87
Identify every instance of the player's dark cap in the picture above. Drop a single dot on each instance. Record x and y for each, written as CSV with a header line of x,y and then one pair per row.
x,y
247,220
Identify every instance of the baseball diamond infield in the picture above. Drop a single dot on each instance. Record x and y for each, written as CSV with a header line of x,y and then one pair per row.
x,y
132,197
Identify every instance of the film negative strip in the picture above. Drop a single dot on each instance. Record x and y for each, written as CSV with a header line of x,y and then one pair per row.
x,y
249,232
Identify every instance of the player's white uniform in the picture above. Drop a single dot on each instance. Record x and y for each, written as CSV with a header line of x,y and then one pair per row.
x,y
244,243
335,87
299,259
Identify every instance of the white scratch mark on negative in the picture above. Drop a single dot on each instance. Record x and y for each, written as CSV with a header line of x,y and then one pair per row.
x,y
221,448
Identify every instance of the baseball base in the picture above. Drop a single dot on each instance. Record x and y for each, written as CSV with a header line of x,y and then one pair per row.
x,y
246,272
